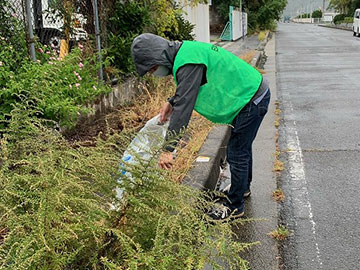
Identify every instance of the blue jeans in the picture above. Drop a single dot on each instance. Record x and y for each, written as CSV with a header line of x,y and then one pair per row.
x,y
239,149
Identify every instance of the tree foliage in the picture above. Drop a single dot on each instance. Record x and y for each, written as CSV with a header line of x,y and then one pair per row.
x,y
131,18
345,6
261,13
317,14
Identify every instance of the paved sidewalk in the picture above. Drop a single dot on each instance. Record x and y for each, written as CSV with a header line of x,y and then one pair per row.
x,y
260,204
240,46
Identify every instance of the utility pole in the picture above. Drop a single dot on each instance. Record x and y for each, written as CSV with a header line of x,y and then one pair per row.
x,y
323,7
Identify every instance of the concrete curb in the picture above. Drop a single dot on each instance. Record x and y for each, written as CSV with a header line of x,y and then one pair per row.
x,y
205,175
336,27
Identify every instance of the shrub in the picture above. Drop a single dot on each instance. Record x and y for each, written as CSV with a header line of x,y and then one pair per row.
x,y
127,21
317,14
339,18
261,14
131,18
348,19
58,89
183,31
261,36
13,49
55,214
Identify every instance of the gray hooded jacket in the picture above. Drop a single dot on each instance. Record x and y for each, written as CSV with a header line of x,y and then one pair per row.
x,y
150,50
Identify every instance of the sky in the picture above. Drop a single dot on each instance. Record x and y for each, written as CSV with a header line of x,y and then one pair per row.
x,y
303,6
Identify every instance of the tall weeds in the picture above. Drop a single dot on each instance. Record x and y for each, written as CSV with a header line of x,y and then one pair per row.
x,y
55,208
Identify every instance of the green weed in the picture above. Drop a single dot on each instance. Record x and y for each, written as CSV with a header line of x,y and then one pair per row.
x,y
281,233
55,208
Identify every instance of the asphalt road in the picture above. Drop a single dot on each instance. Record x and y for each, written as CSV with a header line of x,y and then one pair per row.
x,y
318,79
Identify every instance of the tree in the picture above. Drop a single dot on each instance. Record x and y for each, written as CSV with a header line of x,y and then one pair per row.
x,y
317,14
261,13
343,6
355,5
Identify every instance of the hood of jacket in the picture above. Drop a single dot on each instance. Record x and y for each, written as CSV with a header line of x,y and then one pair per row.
x,y
149,50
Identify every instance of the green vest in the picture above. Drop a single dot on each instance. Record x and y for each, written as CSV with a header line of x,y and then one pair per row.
x,y
231,82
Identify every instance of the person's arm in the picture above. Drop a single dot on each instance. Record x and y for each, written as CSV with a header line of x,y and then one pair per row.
x,y
190,78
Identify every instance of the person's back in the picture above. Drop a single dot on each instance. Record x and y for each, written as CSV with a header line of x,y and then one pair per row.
x,y
230,81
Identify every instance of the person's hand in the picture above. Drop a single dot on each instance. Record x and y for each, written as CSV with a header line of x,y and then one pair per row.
x,y
166,160
165,113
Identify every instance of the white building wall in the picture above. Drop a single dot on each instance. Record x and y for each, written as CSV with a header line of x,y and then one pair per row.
x,y
199,15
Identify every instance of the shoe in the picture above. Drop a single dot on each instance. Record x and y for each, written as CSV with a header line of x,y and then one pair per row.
x,y
247,193
224,213
226,190
225,194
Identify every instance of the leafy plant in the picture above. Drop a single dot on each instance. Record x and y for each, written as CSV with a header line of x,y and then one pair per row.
x,y
339,18
281,233
261,14
127,21
183,31
222,7
58,89
55,209
348,20
13,49
317,14
131,18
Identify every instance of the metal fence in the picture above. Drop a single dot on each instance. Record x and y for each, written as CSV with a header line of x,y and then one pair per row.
x,y
57,24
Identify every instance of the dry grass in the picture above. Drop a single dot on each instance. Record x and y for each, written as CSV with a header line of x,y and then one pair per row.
x,y
248,56
278,166
129,117
198,130
146,105
278,195
262,35
281,233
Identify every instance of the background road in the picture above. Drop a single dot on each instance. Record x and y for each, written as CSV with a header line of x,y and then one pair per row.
x,y
318,79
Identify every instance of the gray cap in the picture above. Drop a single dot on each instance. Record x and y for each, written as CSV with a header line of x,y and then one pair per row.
x,y
149,50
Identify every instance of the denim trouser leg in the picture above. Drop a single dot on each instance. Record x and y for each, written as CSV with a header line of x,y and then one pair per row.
x,y
239,149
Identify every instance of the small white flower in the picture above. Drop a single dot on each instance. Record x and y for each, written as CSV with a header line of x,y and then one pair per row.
x,y
94,87
1,63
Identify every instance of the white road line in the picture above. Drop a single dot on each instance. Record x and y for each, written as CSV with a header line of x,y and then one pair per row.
x,y
297,174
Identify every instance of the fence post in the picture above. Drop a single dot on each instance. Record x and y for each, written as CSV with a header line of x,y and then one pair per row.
x,y
30,30
97,35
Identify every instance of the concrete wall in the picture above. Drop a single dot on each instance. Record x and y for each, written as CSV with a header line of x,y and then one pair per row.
x,y
303,20
199,15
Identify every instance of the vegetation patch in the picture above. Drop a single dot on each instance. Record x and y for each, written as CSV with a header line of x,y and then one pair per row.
x,y
278,195
261,36
281,233
55,208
